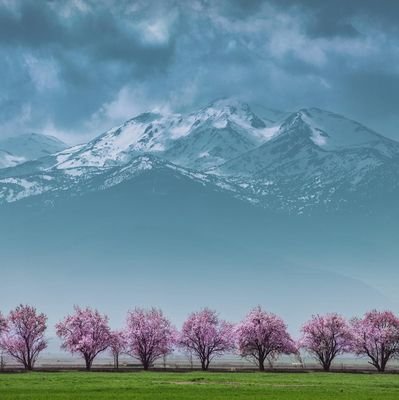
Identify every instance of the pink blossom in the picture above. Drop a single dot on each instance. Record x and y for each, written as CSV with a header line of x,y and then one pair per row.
x,y
24,338
262,335
325,337
149,335
376,336
3,324
85,332
206,336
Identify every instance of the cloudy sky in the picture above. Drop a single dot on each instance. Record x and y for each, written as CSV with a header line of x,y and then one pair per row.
x,y
76,68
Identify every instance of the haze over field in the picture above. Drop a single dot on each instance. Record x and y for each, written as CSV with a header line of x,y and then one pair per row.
x,y
221,154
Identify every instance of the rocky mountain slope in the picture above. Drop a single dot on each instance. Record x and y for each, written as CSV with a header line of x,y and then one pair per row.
x,y
18,149
298,162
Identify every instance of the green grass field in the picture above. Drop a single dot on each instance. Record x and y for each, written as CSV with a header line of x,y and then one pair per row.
x,y
197,385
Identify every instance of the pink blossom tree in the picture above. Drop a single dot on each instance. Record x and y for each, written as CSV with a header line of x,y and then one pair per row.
x,y
261,336
3,324
376,336
117,346
149,335
206,336
24,338
85,332
325,337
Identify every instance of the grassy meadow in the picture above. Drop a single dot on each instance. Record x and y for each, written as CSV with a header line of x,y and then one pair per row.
x,y
197,385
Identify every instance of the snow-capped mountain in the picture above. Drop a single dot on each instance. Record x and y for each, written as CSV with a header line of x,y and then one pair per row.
x,y
219,132
292,162
81,179
305,135
198,140
315,157
27,147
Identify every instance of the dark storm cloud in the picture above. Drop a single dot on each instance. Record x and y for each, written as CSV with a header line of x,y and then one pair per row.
x,y
29,25
92,51
75,68
239,9
335,17
99,34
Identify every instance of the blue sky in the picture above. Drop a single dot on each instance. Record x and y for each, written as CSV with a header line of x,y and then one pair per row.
x,y
75,68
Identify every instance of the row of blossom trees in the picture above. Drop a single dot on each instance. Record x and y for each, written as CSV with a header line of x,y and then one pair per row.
x,y
149,335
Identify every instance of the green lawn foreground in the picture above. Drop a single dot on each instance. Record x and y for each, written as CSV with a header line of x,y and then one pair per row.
x,y
197,385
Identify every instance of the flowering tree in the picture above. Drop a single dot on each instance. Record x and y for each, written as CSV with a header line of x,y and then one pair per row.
x,y
117,346
325,337
376,336
3,327
24,338
3,324
262,335
149,335
85,332
206,336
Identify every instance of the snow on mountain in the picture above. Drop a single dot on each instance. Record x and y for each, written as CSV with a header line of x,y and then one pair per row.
x,y
9,160
148,132
331,131
316,157
82,179
306,139
225,112
30,146
297,161
220,131
198,140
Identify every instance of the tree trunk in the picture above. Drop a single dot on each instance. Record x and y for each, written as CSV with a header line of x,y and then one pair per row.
x,y
204,365
326,367
379,367
261,364
88,362
29,366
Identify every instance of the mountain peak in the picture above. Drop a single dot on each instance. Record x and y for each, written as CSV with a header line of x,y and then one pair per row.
x,y
146,117
333,132
226,110
30,146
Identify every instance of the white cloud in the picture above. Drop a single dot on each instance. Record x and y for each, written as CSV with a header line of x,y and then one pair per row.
x,y
71,7
129,102
157,29
43,72
155,32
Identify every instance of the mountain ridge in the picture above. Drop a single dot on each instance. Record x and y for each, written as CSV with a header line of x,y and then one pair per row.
x,y
308,159
29,147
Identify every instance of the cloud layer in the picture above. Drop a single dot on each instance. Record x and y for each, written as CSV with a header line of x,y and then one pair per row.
x,y
75,68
